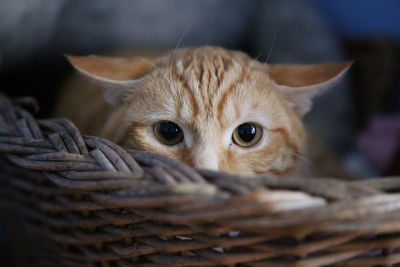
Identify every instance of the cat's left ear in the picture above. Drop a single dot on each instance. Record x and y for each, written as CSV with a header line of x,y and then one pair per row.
x,y
299,83
116,75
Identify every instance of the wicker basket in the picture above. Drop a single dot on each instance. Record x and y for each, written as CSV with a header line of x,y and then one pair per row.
x,y
72,200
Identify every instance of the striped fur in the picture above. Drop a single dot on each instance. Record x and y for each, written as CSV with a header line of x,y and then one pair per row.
x,y
208,92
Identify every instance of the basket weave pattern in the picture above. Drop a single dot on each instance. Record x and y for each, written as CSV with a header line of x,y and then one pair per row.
x,y
72,200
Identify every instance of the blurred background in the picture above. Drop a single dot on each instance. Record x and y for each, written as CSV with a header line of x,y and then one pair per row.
x,y
357,122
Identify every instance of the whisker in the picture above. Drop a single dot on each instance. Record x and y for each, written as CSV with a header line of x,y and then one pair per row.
x,y
160,71
272,46
176,48
179,42
141,89
305,159
259,54
254,61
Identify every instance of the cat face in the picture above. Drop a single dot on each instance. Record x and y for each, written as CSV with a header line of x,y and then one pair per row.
x,y
209,107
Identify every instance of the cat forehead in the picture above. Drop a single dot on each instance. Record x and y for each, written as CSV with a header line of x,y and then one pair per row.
x,y
200,104
213,83
208,69
206,59
208,53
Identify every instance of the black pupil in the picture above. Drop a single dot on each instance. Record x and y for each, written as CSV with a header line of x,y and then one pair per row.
x,y
169,130
247,132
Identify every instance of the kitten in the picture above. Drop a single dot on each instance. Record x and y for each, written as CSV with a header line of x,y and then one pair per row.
x,y
209,107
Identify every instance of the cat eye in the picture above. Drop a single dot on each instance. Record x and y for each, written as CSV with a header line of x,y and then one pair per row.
x,y
168,132
247,134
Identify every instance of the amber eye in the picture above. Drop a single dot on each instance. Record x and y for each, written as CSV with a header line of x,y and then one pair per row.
x,y
247,134
168,132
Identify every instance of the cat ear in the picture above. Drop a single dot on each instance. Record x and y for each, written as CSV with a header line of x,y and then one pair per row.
x,y
299,83
115,74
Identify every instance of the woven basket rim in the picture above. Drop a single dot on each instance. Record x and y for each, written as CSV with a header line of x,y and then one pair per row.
x,y
144,179
169,200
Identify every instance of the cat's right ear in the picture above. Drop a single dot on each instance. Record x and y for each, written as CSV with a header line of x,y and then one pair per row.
x,y
116,75
300,83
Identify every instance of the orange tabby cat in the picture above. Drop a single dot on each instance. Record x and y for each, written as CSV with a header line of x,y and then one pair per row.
x,y
208,107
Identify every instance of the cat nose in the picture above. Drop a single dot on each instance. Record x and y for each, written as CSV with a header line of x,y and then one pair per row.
x,y
206,160
206,164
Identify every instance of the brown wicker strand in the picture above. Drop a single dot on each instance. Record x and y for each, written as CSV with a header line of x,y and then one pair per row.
x,y
92,203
